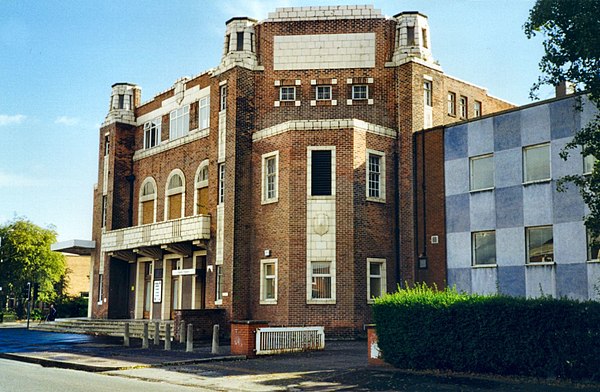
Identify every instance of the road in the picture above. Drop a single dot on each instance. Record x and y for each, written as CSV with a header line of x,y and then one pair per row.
x,y
20,376
22,340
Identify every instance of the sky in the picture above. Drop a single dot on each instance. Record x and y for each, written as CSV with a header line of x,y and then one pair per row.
x,y
59,59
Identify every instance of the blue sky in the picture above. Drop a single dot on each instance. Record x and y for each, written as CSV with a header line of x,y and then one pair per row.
x,y
58,60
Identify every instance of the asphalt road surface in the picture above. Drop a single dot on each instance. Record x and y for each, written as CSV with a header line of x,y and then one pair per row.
x,y
14,340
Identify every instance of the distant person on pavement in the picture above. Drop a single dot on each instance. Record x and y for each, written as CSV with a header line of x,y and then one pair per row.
x,y
52,314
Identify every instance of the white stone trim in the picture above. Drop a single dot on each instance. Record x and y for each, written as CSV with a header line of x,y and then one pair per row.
x,y
334,12
317,125
168,105
192,136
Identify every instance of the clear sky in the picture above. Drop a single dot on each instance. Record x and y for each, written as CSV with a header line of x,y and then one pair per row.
x,y
58,60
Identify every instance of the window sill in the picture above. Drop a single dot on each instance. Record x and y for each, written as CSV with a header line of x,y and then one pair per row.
x,y
269,201
544,181
482,190
542,264
321,197
376,200
477,266
320,302
219,302
268,302
595,261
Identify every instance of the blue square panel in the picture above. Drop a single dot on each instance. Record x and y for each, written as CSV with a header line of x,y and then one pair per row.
x,y
461,278
481,137
568,205
507,131
511,281
509,207
572,281
455,142
508,168
535,125
564,118
457,213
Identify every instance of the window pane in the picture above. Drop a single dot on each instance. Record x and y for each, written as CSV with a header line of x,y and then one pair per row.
x,y
484,248
375,269
593,247
359,92
537,163
321,280
588,164
375,285
427,92
482,172
321,173
540,244
374,175
323,92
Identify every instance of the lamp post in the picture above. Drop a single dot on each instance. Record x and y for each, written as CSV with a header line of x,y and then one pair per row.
x,y
28,303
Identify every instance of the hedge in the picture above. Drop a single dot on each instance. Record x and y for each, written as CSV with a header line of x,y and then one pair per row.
x,y
423,328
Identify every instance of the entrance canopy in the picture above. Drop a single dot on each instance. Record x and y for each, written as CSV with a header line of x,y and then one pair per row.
x,y
78,247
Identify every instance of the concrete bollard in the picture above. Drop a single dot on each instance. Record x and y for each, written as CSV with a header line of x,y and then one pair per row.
x,y
167,336
189,345
215,340
126,335
145,336
156,333
182,331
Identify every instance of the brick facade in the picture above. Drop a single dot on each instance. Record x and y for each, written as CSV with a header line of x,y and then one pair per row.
x,y
294,231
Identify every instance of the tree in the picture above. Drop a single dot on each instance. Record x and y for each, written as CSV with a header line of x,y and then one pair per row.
x,y
26,257
572,53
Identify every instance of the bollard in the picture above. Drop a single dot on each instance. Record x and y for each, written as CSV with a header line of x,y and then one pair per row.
x,y
189,346
167,336
126,335
145,337
215,341
182,331
156,333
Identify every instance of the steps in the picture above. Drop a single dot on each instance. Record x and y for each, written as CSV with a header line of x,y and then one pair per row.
x,y
103,327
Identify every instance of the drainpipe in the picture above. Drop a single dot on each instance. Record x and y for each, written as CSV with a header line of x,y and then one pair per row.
x,y
397,213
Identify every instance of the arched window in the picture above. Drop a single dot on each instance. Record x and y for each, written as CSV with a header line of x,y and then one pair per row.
x,y
147,210
175,195
201,187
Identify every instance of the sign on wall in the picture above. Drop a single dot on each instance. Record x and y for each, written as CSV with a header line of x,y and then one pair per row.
x,y
157,291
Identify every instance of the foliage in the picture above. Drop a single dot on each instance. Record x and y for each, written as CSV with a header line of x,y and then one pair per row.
x,y
423,328
572,53
26,257
72,307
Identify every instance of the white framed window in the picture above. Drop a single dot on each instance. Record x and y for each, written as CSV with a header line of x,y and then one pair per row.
x,y
221,195
147,206
201,186
204,113
451,103
223,97
360,92
462,103
376,278
540,244
322,281
270,177
477,109
152,133
427,92
287,93
323,93
588,164
218,284
482,172
268,281
483,246
175,195
321,171
375,175
179,124
593,247
536,163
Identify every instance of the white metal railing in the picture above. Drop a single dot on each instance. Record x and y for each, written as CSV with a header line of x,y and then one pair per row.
x,y
277,340
176,230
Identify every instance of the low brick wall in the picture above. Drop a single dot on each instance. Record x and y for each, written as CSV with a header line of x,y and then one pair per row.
x,y
203,321
373,349
243,336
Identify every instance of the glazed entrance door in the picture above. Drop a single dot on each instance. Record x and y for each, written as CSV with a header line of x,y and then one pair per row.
x,y
175,282
147,289
200,295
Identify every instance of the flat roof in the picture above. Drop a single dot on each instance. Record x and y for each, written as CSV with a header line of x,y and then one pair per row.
x,y
78,247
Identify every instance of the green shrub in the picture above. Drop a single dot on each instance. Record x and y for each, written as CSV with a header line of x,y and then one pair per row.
x,y
424,328
72,307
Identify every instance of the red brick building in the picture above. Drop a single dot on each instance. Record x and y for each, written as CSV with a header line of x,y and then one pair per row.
x,y
280,185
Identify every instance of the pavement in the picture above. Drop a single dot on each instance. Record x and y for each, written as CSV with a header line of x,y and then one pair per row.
x,y
341,366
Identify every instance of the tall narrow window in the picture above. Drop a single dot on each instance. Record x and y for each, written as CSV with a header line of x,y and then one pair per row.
x,y
321,280
152,133
375,175
239,41
321,173
540,244
410,36
252,42
201,185
218,283
204,113
179,122
536,163
106,145
223,97
424,37
477,109
221,195
452,104
268,281
588,164
175,190
376,279
104,208
593,247
482,172
147,202
270,180
121,101
483,246
463,107
427,84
